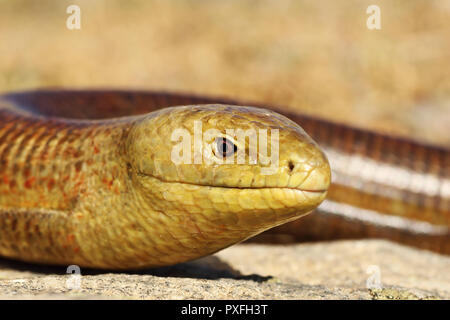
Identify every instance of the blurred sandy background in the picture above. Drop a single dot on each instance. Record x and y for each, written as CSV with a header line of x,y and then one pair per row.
x,y
314,56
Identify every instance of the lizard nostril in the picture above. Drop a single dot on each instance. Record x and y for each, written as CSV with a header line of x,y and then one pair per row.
x,y
291,165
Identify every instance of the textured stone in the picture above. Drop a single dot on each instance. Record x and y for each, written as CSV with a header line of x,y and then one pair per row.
x,y
333,270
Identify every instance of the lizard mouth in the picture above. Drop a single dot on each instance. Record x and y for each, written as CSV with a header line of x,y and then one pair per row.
x,y
306,190
280,202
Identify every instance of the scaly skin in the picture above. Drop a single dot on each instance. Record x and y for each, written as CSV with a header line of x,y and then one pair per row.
x,y
383,187
106,194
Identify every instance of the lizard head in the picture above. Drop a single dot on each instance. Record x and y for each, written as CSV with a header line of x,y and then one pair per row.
x,y
225,173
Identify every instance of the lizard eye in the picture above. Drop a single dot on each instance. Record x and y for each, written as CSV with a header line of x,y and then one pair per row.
x,y
225,147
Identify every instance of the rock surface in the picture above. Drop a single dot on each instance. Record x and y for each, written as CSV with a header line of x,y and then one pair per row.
x,y
333,270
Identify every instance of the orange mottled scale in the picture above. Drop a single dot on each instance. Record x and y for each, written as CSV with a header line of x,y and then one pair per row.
x,y
48,167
